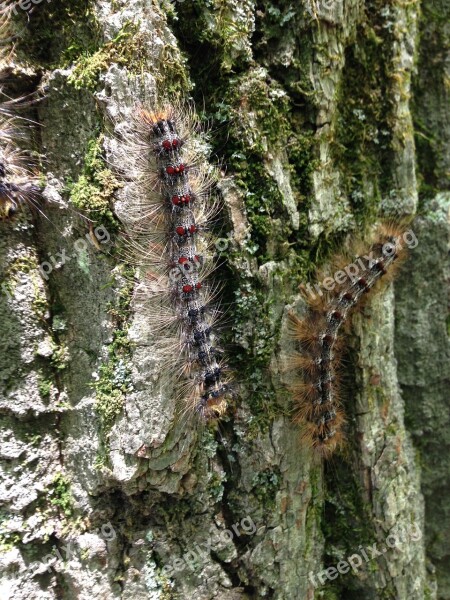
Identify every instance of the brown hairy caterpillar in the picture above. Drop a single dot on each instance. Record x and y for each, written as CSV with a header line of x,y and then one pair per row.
x,y
316,394
18,184
170,206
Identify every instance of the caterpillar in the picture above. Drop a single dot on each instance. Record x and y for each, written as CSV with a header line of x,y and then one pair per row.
x,y
316,392
17,181
169,211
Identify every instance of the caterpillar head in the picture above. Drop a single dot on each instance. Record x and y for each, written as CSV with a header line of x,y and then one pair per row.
x,y
8,205
214,403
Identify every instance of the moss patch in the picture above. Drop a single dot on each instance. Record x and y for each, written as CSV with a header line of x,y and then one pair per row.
x,y
9,539
127,48
430,93
265,487
363,143
225,28
346,526
93,191
45,387
60,495
76,25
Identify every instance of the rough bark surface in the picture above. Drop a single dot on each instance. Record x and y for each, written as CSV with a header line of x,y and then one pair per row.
x,y
326,114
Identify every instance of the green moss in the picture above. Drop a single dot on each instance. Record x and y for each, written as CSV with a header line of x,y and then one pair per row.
x,y
7,289
253,329
430,88
45,387
215,487
60,357
40,303
23,264
109,403
173,75
26,264
265,487
33,438
259,126
127,48
223,28
60,495
93,191
346,524
362,141
77,27
9,539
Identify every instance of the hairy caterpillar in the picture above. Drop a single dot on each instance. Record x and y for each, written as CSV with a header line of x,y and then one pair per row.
x,y
167,190
17,181
316,392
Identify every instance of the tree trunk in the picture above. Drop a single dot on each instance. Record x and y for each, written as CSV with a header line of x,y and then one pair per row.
x,y
325,115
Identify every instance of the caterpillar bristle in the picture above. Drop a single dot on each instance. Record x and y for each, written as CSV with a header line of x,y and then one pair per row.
x,y
302,331
323,446
316,364
18,180
317,303
340,261
301,361
168,212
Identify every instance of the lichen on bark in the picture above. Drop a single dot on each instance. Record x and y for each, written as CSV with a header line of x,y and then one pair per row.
x,y
314,107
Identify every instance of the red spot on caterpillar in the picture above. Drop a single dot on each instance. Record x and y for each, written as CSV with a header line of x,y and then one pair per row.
x,y
175,169
337,315
362,282
182,231
180,200
202,386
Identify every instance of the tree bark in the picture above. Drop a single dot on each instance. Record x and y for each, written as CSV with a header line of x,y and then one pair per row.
x,y
325,114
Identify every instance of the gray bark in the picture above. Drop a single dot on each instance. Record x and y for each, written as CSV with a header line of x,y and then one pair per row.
x,y
316,107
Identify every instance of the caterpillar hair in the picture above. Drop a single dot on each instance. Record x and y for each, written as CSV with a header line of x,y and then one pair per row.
x,y
18,184
316,363
170,208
